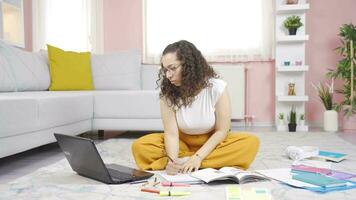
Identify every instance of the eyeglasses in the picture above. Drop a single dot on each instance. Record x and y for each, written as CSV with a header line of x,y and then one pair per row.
x,y
171,70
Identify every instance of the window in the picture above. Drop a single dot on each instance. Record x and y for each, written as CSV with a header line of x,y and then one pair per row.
x,y
71,25
12,22
224,30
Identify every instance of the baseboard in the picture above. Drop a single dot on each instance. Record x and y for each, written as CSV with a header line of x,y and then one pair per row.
x,y
254,124
271,124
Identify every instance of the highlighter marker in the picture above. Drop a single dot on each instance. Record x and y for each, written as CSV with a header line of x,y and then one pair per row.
x,y
173,193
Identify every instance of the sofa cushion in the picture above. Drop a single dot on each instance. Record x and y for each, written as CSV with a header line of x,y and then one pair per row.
x,y
149,76
117,71
29,69
7,80
17,114
126,104
57,108
69,70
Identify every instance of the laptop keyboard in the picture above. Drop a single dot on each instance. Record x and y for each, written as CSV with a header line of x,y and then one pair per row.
x,y
116,174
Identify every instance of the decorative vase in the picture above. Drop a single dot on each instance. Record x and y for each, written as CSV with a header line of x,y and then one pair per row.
x,y
281,122
330,121
301,122
291,1
292,31
292,127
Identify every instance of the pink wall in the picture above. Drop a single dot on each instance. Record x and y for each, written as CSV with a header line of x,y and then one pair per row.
x,y
28,24
123,22
323,22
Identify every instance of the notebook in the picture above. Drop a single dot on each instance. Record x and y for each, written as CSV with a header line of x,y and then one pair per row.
x,y
209,175
234,192
304,168
332,156
331,173
227,173
319,180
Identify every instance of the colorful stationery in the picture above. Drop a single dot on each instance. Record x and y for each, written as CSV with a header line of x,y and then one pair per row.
x,y
234,192
319,180
150,190
173,193
331,173
172,184
305,168
165,193
332,156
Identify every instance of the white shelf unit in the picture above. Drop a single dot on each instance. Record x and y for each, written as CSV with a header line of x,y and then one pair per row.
x,y
293,68
292,38
290,48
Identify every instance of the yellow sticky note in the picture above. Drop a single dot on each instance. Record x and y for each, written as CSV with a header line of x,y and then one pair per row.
x,y
233,192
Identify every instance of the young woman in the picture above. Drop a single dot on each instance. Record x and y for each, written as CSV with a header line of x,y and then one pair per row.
x,y
195,111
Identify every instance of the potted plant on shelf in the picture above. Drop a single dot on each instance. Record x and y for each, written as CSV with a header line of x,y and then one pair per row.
x,y
301,120
292,118
345,70
325,94
292,23
281,119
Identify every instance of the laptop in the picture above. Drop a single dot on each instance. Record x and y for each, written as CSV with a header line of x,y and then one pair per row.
x,y
84,159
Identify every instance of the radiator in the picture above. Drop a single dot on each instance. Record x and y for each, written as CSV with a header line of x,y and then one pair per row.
x,y
234,75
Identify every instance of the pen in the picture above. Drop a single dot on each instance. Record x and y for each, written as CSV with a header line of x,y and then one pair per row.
x,y
150,190
172,184
140,181
173,193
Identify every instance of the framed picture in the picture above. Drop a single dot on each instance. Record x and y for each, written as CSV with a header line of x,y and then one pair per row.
x,y
12,22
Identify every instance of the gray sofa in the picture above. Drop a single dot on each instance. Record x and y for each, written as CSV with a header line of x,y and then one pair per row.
x,y
125,99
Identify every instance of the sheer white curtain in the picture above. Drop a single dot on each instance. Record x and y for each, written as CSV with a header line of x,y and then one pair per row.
x,y
74,25
224,30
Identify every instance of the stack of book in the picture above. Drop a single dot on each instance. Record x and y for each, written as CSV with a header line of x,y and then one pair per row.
x,y
324,179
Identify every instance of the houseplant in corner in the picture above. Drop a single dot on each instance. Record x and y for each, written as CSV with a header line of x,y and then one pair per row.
x,y
292,118
292,23
345,70
325,94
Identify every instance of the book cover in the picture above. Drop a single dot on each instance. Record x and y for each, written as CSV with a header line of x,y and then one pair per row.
x,y
333,156
319,180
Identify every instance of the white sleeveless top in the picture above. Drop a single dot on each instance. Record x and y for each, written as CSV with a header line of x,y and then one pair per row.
x,y
199,117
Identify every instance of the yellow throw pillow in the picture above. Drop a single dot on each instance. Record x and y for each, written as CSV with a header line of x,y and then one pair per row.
x,y
69,70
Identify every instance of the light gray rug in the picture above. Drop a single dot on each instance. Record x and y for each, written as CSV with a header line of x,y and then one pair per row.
x,y
58,181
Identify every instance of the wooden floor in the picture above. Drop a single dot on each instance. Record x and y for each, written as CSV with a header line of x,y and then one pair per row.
x,y
18,165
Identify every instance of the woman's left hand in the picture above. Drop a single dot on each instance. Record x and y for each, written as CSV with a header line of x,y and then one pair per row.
x,y
192,164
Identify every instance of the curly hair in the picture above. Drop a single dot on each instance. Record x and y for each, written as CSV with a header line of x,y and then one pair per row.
x,y
196,73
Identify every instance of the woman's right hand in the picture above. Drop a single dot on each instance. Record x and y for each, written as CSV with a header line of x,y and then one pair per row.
x,y
173,168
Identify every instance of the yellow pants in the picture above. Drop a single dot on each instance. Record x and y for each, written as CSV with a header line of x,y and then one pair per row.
x,y
238,150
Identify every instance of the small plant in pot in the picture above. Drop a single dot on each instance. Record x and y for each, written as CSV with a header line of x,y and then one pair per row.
x,y
325,94
292,118
292,23
281,118
301,120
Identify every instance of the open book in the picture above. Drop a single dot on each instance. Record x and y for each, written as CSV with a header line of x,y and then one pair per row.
x,y
209,175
